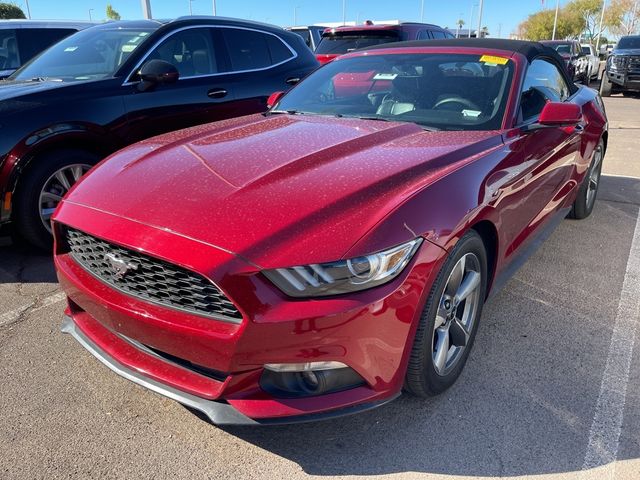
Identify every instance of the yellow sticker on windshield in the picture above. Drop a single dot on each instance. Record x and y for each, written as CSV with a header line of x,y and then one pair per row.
x,y
494,60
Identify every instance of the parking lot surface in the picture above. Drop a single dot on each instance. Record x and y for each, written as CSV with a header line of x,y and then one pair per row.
x,y
551,389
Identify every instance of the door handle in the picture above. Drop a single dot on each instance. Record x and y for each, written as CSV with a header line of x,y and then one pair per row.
x,y
292,80
217,93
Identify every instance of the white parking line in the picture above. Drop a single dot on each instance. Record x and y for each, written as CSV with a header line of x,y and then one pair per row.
x,y
13,315
605,430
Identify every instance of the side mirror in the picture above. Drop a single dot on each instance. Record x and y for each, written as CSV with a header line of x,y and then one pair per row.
x,y
157,72
274,98
557,114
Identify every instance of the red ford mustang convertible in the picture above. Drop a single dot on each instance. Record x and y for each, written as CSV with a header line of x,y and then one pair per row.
x,y
318,259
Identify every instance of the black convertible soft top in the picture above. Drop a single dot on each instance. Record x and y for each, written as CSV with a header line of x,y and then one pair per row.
x,y
528,49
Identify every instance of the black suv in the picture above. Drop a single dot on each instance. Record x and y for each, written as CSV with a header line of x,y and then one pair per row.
x,y
113,84
21,40
622,72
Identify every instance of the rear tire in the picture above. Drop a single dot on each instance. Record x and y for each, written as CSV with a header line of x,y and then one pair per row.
x,y
29,215
606,87
588,191
435,362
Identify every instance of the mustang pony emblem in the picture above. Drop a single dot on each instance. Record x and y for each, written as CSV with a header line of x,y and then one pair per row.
x,y
119,266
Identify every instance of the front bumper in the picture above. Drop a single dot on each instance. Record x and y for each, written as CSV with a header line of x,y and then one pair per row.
x,y
624,80
219,413
371,332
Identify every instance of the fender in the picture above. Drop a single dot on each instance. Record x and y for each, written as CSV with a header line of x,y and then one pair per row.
x,y
80,135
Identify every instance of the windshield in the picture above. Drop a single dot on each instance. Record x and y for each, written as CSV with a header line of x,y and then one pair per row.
x,y
91,54
339,43
586,50
563,48
629,42
441,91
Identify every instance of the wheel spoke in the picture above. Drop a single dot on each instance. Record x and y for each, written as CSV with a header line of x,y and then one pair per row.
x,y
47,212
76,171
441,349
51,197
459,333
455,279
441,317
469,285
62,178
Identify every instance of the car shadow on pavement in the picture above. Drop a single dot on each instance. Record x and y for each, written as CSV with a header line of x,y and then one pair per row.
x,y
20,263
525,402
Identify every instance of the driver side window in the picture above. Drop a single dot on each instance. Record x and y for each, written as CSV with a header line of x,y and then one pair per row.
x,y
543,83
191,51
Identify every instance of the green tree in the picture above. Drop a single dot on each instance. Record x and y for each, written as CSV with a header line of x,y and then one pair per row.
x,y
539,25
111,13
9,10
589,12
626,17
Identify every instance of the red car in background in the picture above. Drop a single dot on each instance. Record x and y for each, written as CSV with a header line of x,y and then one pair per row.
x,y
318,259
340,40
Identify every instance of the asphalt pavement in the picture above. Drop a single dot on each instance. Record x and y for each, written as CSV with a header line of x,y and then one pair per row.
x,y
551,389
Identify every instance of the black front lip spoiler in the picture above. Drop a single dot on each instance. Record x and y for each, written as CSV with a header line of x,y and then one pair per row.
x,y
218,413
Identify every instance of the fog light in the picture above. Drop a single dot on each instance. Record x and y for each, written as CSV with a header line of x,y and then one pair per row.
x,y
303,367
290,380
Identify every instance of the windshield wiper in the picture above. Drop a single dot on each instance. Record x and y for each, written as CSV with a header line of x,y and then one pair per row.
x,y
289,112
387,119
45,79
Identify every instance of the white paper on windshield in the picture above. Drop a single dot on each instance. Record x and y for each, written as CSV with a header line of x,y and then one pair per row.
x,y
471,113
385,76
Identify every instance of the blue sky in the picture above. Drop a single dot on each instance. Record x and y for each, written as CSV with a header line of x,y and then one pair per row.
x,y
498,15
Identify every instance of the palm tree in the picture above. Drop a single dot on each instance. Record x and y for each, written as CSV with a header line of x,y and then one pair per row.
x,y
460,23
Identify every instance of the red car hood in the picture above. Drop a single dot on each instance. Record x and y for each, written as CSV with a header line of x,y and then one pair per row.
x,y
279,190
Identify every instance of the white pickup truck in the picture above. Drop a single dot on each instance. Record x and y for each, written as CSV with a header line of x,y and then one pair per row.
x,y
593,60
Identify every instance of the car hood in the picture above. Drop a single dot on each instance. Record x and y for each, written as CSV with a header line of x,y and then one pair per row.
x,y
280,189
11,89
628,51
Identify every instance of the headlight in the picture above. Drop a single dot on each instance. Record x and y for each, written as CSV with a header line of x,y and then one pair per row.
x,y
344,276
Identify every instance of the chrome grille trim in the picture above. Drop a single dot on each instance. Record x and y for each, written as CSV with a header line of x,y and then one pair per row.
x,y
150,279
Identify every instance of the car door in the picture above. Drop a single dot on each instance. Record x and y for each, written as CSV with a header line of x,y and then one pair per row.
x,y
203,93
260,63
542,158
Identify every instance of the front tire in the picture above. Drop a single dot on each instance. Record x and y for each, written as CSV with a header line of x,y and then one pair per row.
x,y
41,189
449,321
606,87
588,191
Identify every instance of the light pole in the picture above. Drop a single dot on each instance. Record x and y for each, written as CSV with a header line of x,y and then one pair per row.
x,y
604,4
190,8
422,11
295,15
555,21
26,2
344,12
146,9
214,8
480,19
90,10
473,6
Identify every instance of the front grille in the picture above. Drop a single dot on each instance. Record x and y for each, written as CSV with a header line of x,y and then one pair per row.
x,y
149,278
634,66
624,63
